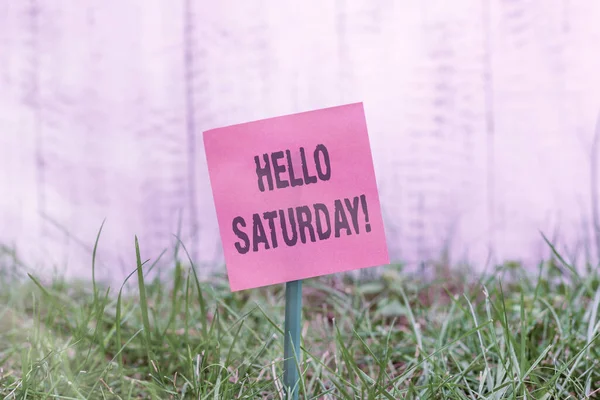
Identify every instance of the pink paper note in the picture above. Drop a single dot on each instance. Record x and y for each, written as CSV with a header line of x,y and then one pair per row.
x,y
296,196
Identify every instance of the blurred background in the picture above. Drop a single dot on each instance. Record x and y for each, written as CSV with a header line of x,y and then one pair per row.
x,y
481,116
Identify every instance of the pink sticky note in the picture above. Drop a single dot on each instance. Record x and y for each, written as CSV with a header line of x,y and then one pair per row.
x,y
296,196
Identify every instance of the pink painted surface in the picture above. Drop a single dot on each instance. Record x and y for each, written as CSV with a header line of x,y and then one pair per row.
x,y
230,153
112,131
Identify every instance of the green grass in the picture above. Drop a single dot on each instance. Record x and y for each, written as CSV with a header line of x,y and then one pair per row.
x,y
505,336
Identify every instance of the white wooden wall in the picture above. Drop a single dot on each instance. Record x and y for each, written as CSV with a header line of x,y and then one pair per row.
x,y
481,115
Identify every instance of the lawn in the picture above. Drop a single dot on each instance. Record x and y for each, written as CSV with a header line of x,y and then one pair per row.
x,y
503,335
